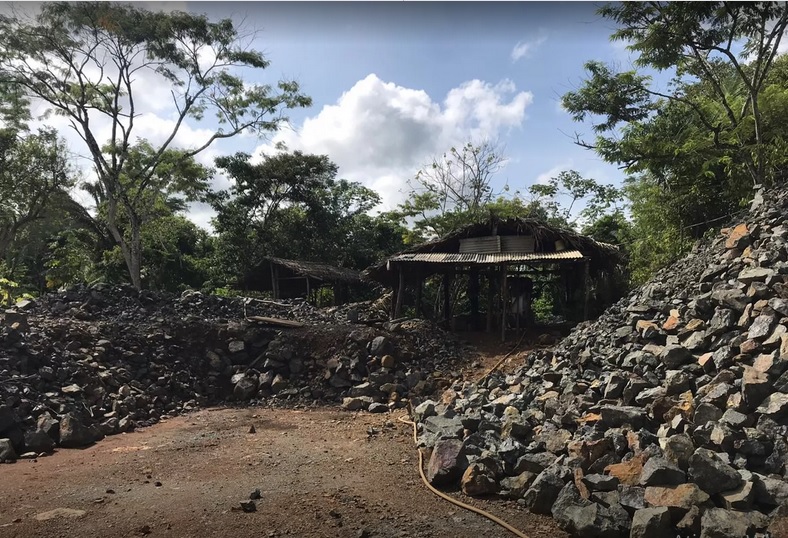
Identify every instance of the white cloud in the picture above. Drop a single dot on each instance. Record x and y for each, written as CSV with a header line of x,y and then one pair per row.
x,y
380,134
524,48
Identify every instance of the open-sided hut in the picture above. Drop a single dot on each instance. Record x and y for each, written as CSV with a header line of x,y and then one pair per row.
x,y
508,254
287,279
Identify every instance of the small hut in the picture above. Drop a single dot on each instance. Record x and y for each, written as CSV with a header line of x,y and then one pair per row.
x,y
510,255
288,279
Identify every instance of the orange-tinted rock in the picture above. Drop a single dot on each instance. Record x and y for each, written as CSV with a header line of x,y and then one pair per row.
x,y
739,237
628,472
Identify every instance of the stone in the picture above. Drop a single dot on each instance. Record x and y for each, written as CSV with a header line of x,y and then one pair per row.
x,y
740,498
581,517
628,472
7,418
755,386
600,482
754,274
658,471
541,496
387,361
74,434
774,406
722,523
761,327
619,415
447,462
738,237
678,449
712,474
356,403
444,427
39,442
478,480
245,388
674,356
7,452
514,487
678,498
248,506
279,383
380,346
731,298
706,412
650,523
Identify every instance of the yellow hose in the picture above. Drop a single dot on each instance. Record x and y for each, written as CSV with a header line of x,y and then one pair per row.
x,y
452,500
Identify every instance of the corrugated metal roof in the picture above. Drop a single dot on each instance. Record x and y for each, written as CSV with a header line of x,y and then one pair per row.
x,y
479,259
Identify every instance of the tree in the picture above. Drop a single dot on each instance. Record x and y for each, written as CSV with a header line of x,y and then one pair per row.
x,y
570,185
84,60
34,169
453,189
721,54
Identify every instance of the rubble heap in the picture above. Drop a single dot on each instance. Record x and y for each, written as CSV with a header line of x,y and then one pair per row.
x,y
93,361
667,416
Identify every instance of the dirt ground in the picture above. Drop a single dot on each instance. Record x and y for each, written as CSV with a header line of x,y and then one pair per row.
x,y
321,472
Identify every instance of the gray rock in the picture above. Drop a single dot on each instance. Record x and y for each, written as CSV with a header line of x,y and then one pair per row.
x,y
721,523
378,408
732,298
775,405
357,403
444,427
7,452
74,434
674,356
600,482
712,474
39,442
479,480
650,523
619,415
660,472
7,418
245,388
678,449
542,494
581,517
447,462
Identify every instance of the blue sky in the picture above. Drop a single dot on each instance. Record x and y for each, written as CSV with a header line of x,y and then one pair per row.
x,y
353,48
395,83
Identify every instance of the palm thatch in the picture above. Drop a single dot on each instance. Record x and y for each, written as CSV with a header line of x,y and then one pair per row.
x,y
316,271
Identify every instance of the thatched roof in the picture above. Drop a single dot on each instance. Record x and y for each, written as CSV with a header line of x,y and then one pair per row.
x,y
602,256
318,271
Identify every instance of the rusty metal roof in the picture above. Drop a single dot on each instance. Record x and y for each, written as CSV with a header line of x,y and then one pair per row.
x,y
484,259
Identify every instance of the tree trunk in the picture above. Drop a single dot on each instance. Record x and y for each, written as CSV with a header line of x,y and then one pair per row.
x,y
132,253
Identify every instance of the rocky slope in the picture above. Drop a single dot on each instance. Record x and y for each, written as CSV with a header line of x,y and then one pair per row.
x,y
89,362
666,416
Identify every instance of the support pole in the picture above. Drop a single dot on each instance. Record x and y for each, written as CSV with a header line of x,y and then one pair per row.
x,y
419,293
473,296
586,289
490,299
275,281
447,278
504,303
308,291
400,292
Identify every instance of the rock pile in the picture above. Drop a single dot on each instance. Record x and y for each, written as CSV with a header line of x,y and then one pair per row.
x,y
667,416
78,365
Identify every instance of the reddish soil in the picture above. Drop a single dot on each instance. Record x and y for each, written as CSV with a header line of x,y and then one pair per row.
x,y
322,472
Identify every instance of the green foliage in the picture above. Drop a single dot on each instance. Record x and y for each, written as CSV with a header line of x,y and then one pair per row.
x,y
81,59
10,292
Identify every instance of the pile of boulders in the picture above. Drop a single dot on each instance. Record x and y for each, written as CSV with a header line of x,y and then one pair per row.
x,y
667,416
93,361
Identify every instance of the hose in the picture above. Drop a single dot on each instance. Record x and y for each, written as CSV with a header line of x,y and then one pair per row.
x,y
452,500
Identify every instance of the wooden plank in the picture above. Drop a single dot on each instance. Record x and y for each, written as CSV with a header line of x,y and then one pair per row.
x,y
504,303
400,292
279,322
274,281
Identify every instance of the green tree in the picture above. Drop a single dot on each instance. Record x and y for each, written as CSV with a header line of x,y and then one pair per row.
x,y
83,60
34,170
452,190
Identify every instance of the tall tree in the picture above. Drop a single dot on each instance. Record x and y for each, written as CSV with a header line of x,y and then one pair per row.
x,y
85,60
454,188
34,170
721,54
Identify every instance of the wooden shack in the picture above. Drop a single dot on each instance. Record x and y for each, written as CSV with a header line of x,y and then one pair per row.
x,y
287,279
508,255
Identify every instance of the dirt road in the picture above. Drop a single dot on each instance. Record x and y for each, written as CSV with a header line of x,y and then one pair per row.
x,y
321,472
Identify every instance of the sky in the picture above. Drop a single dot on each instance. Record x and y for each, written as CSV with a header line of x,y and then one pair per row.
x,y
395,84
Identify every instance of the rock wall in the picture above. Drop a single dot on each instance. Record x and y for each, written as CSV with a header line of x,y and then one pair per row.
x,y
666,416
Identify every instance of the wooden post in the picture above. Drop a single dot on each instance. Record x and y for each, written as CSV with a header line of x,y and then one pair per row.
x,y
419,293
275,281
308,291
447,278
473,296
400,292
490,299
586,289
504,303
